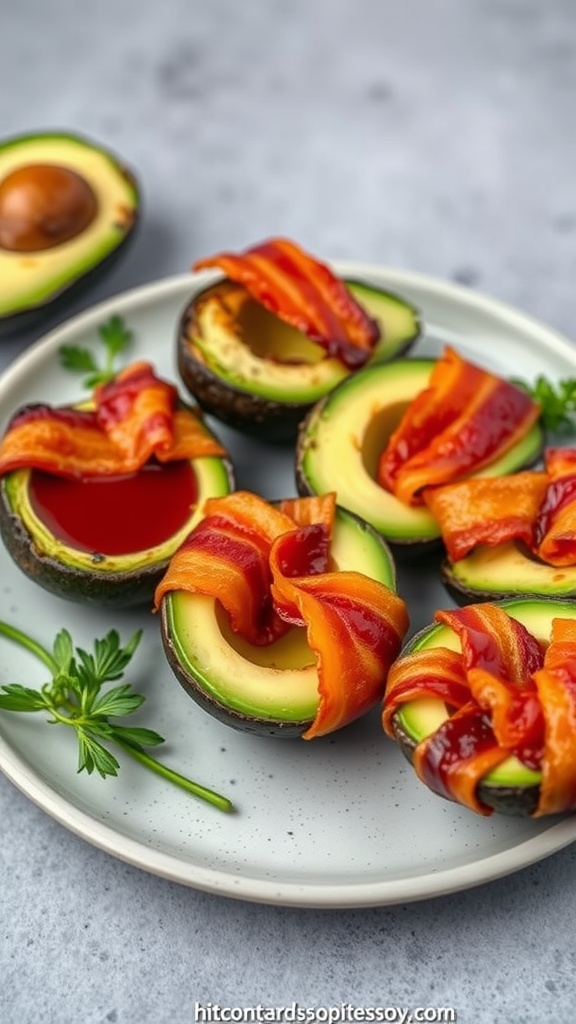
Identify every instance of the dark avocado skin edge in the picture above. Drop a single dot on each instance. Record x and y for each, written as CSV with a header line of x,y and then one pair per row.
x,y
252,414
514,801
129,589
270,728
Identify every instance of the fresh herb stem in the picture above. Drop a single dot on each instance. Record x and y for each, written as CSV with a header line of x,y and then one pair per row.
x,y
195,788
24,640
74,698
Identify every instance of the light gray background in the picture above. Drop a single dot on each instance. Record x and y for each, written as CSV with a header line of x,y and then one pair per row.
x,y
436,135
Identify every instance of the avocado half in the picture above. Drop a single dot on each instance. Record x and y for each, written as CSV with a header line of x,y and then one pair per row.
x,y
68,207
511,788
506,570
270,690
94,577
340,441
258,374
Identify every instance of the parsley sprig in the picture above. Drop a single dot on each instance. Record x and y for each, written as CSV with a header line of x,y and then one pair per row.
x,y
74,697
116,337
557,402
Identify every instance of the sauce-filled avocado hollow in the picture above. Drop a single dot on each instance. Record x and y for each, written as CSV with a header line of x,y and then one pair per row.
x,y
94,513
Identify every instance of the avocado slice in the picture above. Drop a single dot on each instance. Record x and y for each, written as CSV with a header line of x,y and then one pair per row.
x,y
340,441
270,690
255,372
107,580
506,570
510,788
68,207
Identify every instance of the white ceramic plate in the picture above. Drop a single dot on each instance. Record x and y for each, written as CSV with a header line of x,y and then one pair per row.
x,y
338,822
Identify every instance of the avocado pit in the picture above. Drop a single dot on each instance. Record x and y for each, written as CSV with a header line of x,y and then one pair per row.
x,y
43,205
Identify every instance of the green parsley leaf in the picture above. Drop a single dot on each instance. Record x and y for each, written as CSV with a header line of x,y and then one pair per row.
x,y
74,697
116,337
557,402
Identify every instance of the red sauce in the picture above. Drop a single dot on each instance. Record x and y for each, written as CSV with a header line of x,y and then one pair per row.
x,y
116,515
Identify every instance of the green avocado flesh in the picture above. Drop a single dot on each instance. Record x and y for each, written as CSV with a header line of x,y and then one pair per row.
x,y
504,570
342,438
85,576
419,718
31,278
245,347
275,685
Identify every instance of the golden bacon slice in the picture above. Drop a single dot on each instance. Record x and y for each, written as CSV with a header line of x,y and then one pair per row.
x,y
133,418
506,694
303,292
465,419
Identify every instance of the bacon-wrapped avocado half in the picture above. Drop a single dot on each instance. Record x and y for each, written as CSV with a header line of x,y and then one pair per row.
x,y
386,435
282,619
483,703
258,346
515,535
95,498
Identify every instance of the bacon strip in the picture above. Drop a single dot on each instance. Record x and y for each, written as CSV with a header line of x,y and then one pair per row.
x,y
556,685
464,420
270,569
486,510
492,693
304,293
134,418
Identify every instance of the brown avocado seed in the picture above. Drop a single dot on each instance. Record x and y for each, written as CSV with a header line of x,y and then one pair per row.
x,y
42,206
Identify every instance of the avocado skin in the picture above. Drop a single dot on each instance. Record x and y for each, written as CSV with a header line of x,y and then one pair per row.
x,y
131,588
252,414
27,318
57,303
221,712
514,801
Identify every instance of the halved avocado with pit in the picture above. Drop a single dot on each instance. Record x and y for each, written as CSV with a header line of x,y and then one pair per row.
x,y
270,690
51,559
506,570
255,372
68,207
340,441
510,788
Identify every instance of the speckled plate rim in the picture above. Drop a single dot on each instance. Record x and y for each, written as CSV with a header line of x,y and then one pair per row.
x,y
340,894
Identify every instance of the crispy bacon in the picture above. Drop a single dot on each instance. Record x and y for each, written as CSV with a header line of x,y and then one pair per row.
x,y
556,685
537,508
486,510
464,420
506,694
303,292
270,568
133,418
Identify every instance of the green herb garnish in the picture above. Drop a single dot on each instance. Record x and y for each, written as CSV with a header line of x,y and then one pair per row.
x,y
116,337
74,697
557,402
